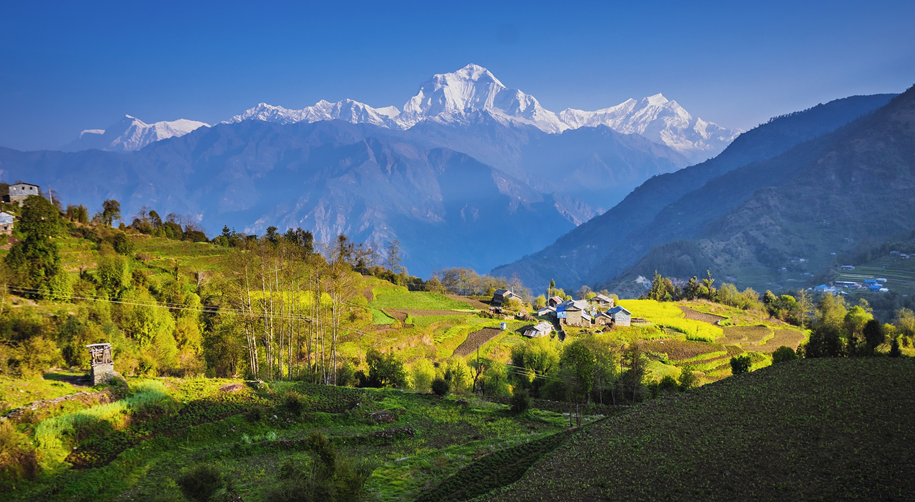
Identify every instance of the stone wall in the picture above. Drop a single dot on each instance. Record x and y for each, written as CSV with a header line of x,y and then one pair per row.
x,y
102,373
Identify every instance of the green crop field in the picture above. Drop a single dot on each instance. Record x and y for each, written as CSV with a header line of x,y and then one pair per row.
x,y
398,297
843,430
135,447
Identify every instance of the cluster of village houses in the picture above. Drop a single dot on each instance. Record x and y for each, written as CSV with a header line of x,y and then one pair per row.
x,y
597,311
18,193
877,285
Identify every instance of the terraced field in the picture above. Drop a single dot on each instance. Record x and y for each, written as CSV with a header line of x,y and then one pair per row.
x,y
842,432
701,316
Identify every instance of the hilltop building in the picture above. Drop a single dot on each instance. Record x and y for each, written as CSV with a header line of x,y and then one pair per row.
x,y
21,191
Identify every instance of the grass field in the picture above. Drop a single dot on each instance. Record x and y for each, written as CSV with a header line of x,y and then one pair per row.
x,y
844,430
135,448
398,297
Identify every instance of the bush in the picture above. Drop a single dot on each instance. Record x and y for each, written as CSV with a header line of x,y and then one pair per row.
x,y
201,482
17,459
292,402
687,378
668,384
520,401
740,364
122,244
783,354
440,387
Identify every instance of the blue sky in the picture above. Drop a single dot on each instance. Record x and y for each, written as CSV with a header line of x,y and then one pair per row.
x,y
68,66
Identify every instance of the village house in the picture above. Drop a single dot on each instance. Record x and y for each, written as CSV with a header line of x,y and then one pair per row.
x,y
621,316
6,223
547,312
21,191
602,301
571,312
554,301
501,296
542,328
603,319
848,267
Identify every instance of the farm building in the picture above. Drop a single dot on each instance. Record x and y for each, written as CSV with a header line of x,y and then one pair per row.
x,y
570,312
6,223
603,319
20,191
502,295
547,311
881,279
621,316
602,301
848,267
553,301
542,328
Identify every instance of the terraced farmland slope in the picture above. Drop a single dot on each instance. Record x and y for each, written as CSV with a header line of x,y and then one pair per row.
x,y
821,429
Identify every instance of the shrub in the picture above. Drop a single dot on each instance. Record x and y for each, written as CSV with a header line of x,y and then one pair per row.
x,y
687,378
423,375
520,401
201,482
122,244
668,384
292,402
17,459
440,387
740,364
783,354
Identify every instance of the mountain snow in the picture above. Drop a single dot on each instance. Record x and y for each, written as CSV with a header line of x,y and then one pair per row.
x,y
131,133
461,97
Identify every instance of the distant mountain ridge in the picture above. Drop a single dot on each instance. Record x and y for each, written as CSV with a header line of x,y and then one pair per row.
x,y
816,200
663,208
461,96
131,133
331,177
458,98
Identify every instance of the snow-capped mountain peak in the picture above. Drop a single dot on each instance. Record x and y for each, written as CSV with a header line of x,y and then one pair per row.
x,y
131,133
459,97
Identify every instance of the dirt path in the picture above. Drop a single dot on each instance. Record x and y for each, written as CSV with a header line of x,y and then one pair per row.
x,y
367,293
475,340
695,315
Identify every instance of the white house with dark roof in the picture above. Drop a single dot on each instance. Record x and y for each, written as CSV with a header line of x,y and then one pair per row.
x,y
621,316
21,191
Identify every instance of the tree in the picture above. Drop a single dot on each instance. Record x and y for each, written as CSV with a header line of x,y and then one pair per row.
x,y
552,287
578,369
423,375
111,210
385,370
394,258
873,335
687,378
783,354
34,261
740,364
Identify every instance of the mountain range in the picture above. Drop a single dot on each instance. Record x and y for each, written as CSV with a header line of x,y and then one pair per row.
x,y
462,98
767,212
130,134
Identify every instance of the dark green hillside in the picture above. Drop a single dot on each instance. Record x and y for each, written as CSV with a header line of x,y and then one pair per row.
x,y
832,429
606,245
812,203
